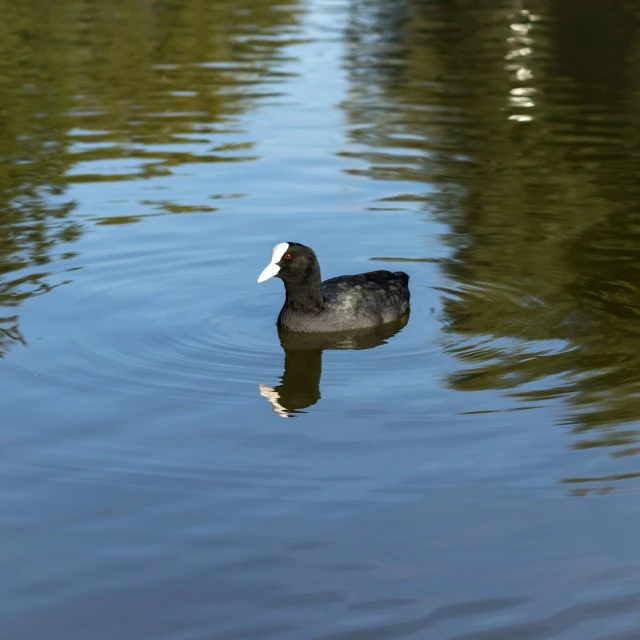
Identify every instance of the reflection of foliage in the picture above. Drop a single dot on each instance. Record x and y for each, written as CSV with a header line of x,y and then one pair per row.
x,y
148,84
118,91
530,156
9,333
32,162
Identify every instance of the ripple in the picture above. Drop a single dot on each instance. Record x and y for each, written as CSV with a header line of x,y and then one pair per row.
x,y
187,352
438,615
178,343
159,334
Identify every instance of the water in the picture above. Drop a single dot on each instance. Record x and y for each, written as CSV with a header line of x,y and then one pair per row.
x,y
174,469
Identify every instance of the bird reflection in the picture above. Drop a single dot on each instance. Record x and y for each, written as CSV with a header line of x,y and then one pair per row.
x,y
300,382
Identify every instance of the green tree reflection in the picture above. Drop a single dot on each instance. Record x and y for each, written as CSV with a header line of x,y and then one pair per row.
x,y
519,121
117,91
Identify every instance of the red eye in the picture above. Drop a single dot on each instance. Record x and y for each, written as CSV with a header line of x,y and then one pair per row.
x,y
287,256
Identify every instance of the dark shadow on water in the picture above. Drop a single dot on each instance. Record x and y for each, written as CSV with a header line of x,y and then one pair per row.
x,y
300,382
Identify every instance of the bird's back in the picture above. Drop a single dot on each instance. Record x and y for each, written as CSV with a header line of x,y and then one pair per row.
x,y
367,299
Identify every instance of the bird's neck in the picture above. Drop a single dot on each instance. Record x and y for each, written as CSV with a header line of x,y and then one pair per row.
x,y
305,296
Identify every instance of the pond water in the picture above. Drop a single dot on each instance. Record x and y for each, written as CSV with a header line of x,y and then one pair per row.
x,y
172,468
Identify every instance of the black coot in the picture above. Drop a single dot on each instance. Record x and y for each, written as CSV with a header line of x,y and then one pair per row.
x,y
339,304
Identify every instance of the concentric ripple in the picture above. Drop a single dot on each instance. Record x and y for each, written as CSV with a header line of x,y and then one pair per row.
x,y
188,351
197,337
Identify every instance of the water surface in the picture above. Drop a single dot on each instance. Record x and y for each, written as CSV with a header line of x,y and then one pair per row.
x,y
471,473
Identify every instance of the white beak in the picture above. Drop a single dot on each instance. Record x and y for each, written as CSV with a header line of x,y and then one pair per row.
x,y
272,268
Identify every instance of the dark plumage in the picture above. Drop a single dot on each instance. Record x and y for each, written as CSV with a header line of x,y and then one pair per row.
x,y
338,304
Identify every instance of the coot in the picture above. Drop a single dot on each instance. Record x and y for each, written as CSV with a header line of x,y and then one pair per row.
x,y
339,304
